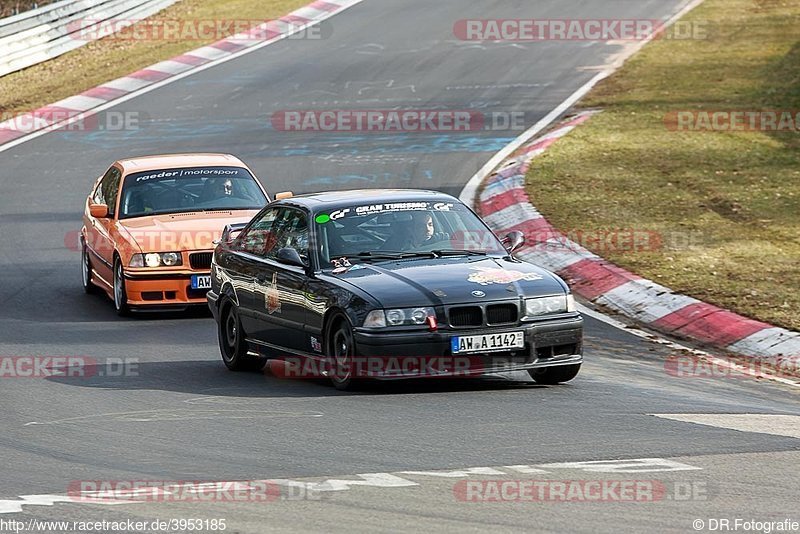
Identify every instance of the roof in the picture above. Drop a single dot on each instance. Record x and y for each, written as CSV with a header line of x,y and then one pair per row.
x,y
177,161
341,199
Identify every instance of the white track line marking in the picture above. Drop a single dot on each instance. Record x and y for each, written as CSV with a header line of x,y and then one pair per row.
x,y
364,480
775,424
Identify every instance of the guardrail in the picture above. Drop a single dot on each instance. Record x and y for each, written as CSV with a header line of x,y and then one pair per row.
x,y
41,34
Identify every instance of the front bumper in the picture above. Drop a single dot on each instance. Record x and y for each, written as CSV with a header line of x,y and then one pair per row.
x,y
163,290
385,354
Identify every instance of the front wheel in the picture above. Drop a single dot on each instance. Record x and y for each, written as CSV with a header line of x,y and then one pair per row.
x,y
341,356
86,270
555,375
232,344
120,293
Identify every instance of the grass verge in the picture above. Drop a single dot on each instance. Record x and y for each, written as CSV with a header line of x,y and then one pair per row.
x,y
9,8
725,205
107,59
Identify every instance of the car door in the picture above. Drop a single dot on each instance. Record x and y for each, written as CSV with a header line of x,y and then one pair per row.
x,y
280,289
244,261
100,242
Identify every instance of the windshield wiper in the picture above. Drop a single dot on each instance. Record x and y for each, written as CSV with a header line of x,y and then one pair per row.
x,y
456,252
394,255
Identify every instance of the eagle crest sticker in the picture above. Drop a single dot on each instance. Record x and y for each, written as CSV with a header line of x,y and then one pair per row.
x,y
486,277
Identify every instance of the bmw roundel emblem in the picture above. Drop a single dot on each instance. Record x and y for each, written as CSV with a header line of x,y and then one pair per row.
x,y
478,294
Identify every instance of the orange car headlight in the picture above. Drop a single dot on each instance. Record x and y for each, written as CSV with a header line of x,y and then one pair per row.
x,y
152,260
171,259
156,259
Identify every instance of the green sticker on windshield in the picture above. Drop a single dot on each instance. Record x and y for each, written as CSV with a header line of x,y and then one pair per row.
x,y
323,218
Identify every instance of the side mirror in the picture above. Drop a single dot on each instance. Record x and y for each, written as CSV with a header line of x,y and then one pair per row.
x,y
227,233
98,211
290,256
513,241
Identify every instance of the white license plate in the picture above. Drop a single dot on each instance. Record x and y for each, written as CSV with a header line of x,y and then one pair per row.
x,y
201,282
487,342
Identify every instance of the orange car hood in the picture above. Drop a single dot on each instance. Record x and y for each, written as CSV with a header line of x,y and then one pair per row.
x,y
182,231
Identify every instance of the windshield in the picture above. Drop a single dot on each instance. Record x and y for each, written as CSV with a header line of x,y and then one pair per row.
x,y
402,229
192,189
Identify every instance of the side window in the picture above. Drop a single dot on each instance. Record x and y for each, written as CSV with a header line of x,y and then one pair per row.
x,y
292,232
260,237
106,192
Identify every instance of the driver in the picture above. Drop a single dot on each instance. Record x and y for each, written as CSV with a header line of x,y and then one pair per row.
x,y
223,188
217,189
420,233
423,228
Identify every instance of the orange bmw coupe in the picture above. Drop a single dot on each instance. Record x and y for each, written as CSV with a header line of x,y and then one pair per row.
x,y
150,224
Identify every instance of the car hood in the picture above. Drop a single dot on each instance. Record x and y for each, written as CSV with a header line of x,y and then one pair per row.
x,y
451,280
182,231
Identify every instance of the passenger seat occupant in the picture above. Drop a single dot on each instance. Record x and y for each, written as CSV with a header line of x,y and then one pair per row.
x,y
136,203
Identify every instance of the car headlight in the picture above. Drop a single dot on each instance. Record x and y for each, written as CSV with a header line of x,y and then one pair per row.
x,y
156,259
399,317
171,259
547,305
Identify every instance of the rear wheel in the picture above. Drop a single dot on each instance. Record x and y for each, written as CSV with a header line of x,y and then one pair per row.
x,y
232,344
341,354
86,270
555,375
120,293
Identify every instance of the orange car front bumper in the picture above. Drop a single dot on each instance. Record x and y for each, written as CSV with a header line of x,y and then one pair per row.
x,y
167,289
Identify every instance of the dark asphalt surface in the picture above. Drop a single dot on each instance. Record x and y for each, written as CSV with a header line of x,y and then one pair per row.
x,y
183,416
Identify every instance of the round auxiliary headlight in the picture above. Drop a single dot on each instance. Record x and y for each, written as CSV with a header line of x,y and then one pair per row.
x,y
419,315
170,259
395,317
152,260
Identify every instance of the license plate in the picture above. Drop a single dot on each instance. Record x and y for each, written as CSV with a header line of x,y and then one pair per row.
x,y
487,342
201,281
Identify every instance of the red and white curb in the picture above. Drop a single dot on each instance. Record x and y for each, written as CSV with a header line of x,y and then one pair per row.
x,y
504,204
64,111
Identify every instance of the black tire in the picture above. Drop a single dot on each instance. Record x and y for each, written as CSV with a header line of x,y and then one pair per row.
x,y
232,343
555,375
86,271
340,351
120,293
